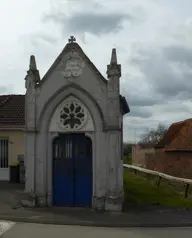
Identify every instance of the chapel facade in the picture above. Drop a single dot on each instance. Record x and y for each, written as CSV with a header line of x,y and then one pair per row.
x,y
74,133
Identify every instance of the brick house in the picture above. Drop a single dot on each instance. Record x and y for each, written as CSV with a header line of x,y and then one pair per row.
x,y
139,152
173,154
11,131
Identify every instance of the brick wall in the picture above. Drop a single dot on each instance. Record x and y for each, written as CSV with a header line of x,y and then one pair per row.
x,y
138,154
178,164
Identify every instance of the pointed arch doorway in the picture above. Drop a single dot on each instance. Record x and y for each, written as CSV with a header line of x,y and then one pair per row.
x,y
72,170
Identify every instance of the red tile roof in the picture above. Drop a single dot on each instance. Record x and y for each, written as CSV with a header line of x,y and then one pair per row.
x,y
183,140
12,110
178,137
170,134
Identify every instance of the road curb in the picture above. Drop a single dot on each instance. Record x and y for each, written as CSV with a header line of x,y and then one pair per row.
x,y
92,223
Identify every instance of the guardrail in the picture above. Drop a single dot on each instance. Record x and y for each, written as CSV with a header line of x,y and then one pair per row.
x,y
187,182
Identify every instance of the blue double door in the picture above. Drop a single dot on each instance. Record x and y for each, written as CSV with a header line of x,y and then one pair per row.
x,y
72,170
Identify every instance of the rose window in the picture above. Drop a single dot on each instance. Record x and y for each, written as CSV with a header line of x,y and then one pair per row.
x,y
72,115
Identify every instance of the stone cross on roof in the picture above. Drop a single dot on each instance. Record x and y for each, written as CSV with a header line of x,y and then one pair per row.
x,y
72,39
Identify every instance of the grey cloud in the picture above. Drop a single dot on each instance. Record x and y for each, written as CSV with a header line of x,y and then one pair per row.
x,y
6,89
82,3
178,53
47,38
135,127
38,39
142,100
139,123
97,23
177,106
94,23
166,76
140,112
137,95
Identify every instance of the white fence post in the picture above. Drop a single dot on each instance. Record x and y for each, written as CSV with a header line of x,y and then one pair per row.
x,y
188,182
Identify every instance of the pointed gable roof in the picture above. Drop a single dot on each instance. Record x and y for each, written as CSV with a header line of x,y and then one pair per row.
x,y
178,137
183,140
170,134
72,46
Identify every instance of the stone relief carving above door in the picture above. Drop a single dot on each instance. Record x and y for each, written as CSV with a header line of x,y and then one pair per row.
x,y
71,65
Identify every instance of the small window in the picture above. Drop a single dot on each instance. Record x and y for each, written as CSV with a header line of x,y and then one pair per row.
x,y
4,153
62,149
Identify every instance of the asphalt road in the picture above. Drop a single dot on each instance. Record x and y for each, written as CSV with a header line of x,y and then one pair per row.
x,y
23,230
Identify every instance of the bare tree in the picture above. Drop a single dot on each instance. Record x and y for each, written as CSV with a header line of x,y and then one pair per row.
x,y
153,136
127,148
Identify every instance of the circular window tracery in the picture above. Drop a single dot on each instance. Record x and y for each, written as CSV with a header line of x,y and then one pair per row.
x,y
72,115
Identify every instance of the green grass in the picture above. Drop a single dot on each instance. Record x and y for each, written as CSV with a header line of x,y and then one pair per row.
x,y
144,191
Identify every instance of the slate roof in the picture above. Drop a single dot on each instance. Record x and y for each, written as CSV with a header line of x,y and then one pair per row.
x,y
12,110
124,105
178,137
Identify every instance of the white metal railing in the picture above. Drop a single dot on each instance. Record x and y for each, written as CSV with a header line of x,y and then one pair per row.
x,y
161,175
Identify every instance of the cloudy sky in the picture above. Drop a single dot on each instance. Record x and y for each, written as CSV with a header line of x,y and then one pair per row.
x,y
153,39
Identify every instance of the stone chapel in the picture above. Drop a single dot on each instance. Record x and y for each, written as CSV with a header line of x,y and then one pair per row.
x,y
74,133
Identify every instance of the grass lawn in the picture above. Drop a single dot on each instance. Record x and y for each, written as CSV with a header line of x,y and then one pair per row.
x,y
142,190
